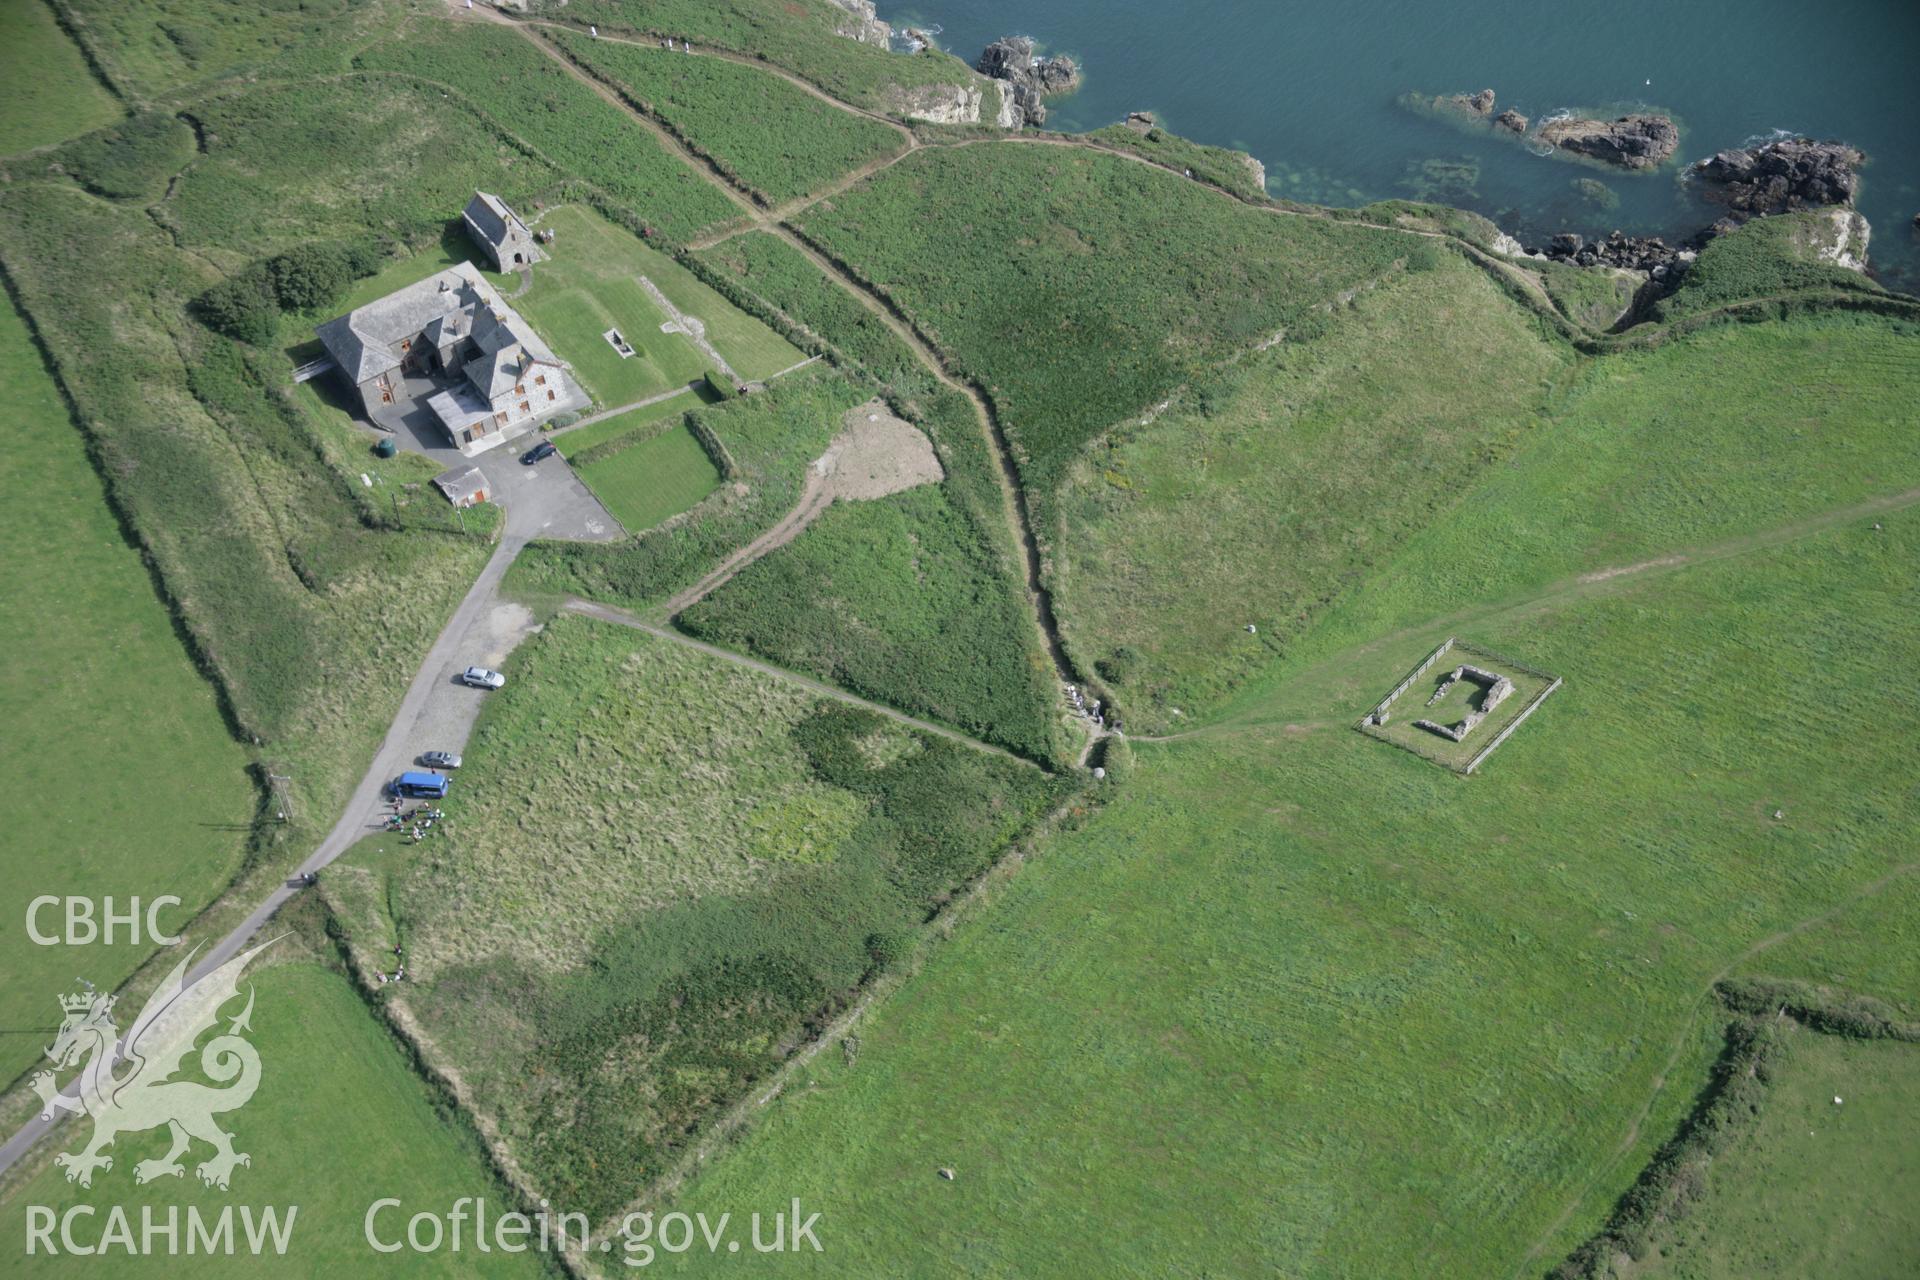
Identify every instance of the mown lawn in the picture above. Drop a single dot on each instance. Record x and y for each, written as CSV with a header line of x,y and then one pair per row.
x,y
572,443
592,284
1815,1189
776,139
51,94
645,483
659,869
340,1120
96,685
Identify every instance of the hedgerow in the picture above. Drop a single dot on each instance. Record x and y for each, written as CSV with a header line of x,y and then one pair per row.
x,y
766,134
131,160
769,277
504,77
766,440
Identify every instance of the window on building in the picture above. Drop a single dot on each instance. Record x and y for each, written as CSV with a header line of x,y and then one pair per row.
x,y
520,389
525,407
550,395
539,379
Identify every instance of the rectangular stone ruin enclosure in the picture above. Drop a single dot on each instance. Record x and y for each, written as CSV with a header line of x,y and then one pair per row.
x,y
1458,704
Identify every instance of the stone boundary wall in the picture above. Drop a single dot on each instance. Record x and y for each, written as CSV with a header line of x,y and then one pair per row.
x,y
1513,724
1378,714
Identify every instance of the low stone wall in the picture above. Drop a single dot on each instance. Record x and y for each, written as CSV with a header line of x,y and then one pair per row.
x,y
1517,721
1379,713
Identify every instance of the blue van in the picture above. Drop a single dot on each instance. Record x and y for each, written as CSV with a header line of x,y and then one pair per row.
x,y
421,786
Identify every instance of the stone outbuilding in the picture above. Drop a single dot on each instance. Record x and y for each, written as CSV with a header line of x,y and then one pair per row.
x,y
499,231
464,486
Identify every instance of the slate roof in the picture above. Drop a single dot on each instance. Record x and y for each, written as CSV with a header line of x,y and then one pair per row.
x,y
361,342
489,216
461,483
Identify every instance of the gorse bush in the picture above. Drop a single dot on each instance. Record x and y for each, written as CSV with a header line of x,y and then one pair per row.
x,y
248,306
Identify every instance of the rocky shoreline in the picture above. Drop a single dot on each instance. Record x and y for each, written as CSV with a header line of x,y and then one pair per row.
x,y
1026,77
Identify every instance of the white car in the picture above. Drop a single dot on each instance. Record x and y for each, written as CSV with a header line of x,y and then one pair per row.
x,y
481,678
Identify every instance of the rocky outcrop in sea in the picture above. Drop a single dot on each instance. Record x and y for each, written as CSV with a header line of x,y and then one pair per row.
x,y
1650,254
1792,173
1640,141
1028,78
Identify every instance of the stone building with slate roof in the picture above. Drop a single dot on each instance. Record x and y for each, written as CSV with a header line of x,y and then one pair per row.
x,y
499,231
454,344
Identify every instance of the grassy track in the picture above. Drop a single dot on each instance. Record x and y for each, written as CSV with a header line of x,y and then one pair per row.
x,y
52,94
656,478
339,1121
96,686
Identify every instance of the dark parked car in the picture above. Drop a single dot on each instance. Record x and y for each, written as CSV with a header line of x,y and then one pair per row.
x,y
441,759
544,449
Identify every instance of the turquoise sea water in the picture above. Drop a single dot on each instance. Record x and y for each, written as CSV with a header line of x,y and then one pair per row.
x,y
1310,89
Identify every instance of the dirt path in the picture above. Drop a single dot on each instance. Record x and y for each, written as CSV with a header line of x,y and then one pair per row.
x,y
621,617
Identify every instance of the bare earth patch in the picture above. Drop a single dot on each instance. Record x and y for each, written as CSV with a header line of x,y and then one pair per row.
x,y
876,454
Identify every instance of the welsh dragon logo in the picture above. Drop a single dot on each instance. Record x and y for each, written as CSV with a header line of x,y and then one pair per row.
x,y
147,1096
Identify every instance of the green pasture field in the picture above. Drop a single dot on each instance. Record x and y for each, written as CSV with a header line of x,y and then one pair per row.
x,y
591,284
52,94
1295,1004
779,276
95,685
1815,1189
281,564
770,437
899,600
573,443
799,36
150,47
340,1120
1266,489
658,871
527,94
270,181
1733,433
653,479
1132,279
773,137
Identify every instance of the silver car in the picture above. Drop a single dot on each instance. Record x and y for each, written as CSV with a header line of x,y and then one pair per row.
x,y
481,678
441,759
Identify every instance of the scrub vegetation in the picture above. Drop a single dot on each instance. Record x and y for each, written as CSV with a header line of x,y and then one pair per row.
x,y
767,134
1080,288
505,78
660,870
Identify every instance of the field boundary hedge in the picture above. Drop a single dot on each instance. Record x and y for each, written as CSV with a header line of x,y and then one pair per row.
x,y
1728,1106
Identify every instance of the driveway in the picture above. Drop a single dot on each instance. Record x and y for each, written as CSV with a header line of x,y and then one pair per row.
x,y
546,500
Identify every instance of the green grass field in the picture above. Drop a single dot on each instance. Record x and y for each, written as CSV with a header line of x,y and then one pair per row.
x,y
774,138
340,1120
1815,1189
801,36
1269,488
592,284
53,95
1132,280
659,477
96,685
529,95
658,870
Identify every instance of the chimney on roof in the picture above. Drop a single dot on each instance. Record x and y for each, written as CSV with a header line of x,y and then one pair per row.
x,y
445,284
